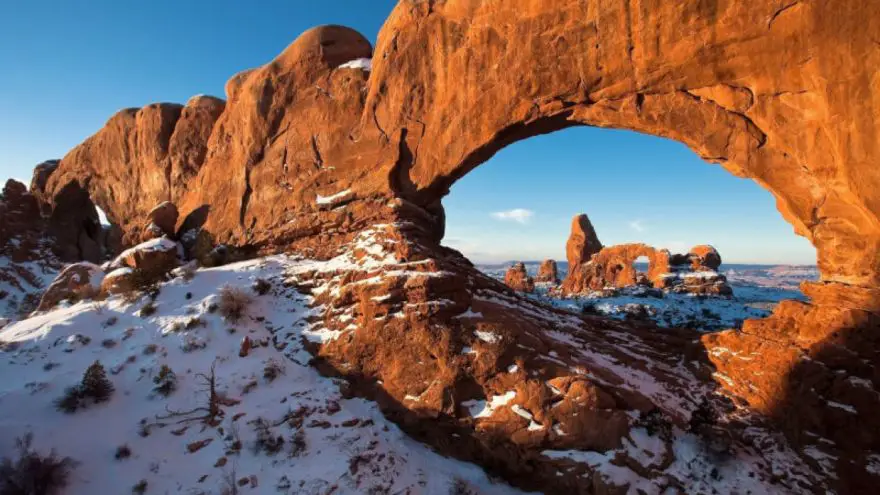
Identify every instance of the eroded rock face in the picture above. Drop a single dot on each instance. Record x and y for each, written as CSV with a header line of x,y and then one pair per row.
x,y
307,155
21,228
548,273
29,265
517,278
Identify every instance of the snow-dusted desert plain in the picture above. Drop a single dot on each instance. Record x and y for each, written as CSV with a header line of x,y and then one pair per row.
x,y
756,290
282,428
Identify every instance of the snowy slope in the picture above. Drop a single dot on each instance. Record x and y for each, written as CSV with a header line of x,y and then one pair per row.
x,y
331,444
22,283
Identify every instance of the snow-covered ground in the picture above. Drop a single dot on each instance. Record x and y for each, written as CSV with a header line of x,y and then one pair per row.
x,y
757,290
326,443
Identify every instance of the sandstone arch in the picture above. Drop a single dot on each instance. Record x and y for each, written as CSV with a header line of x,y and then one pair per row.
x,y
307,153
614,266
748,87
781,95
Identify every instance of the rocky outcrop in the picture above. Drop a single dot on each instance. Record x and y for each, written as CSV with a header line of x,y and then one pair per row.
x,y
614,267
40,178
522,386
155,257
517,278
21,228
27,265
308,154
813,368
704,258
582,242
548,273
132,270
76,282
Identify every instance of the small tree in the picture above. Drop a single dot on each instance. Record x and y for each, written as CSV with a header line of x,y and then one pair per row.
x,y
95,383
165,380
209,412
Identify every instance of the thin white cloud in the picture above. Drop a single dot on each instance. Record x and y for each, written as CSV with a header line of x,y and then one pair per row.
x,y
638,225
519,215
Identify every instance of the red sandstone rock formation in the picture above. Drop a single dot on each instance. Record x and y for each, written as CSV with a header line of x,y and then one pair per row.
x,y
613,267
517,278
582,243
30,265
76,282
704,258
548,272
307,155
21,226
162,220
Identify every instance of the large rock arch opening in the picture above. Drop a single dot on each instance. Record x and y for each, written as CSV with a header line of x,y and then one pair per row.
x,y
740,86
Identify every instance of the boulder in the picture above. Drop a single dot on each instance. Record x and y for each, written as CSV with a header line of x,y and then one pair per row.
x,y
548,272
76,282
119,281
704,257
517,278
162,219
153,258
582,243
703,283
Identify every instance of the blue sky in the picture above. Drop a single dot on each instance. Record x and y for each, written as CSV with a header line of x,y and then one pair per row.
x,y
68,66
634,187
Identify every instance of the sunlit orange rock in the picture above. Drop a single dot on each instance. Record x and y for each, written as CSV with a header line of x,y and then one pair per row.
x,y
517,278
308,153
548,272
